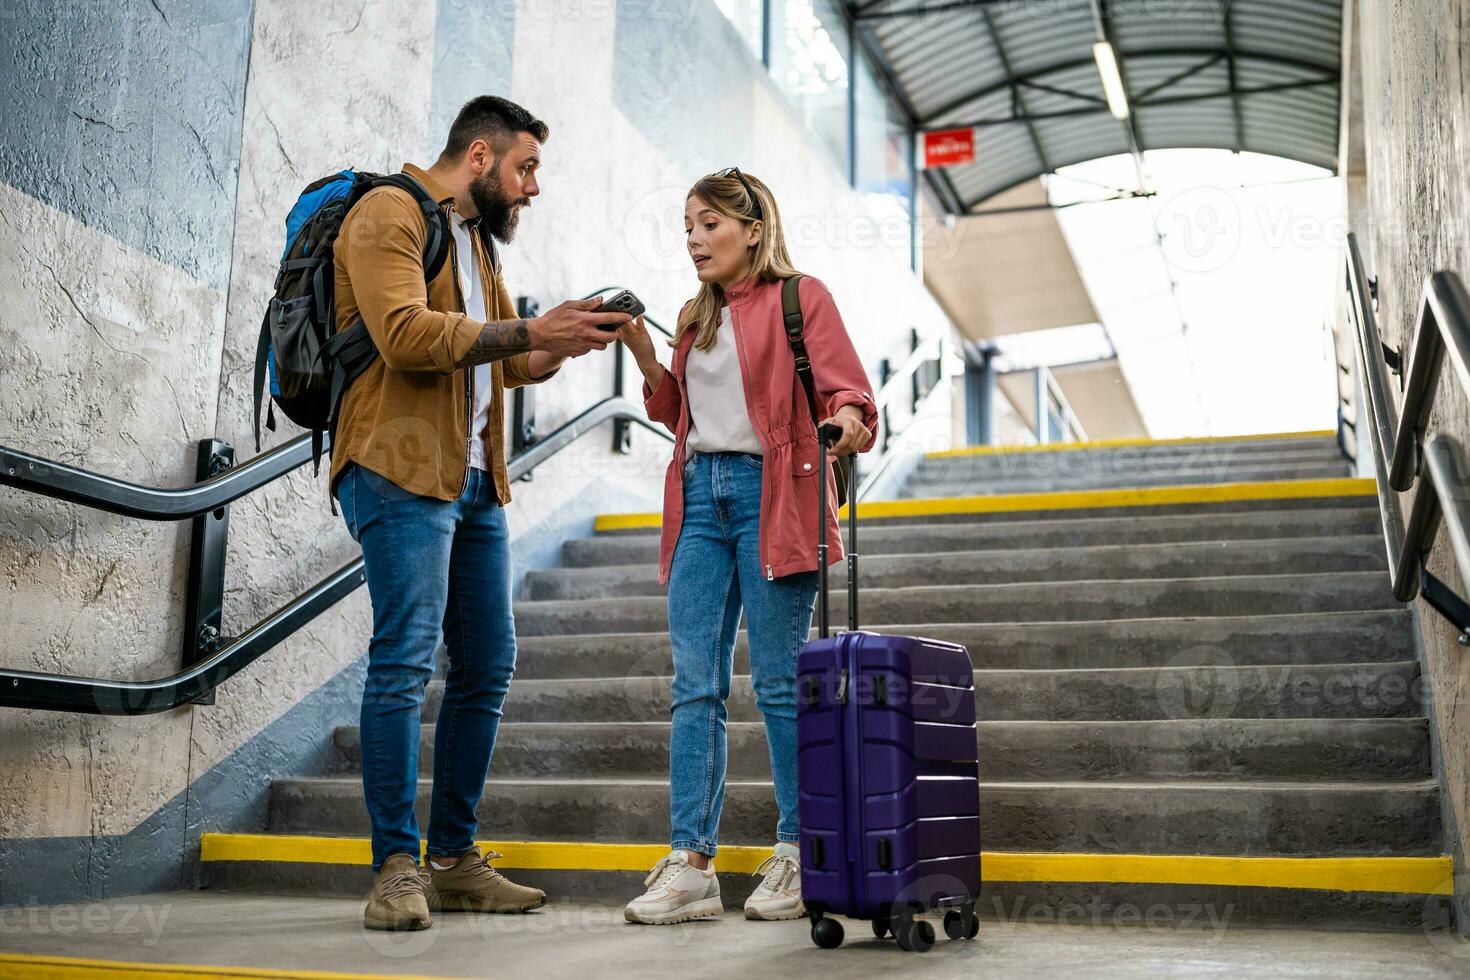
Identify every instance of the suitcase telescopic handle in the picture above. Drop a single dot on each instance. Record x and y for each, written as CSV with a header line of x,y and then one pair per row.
x,y
827,435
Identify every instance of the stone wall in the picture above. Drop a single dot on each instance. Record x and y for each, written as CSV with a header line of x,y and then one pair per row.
x,y
1410,207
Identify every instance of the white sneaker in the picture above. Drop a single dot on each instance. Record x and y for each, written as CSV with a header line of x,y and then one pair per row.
x,y
677,892
778,896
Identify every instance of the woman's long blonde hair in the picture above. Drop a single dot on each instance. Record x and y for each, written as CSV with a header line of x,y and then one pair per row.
x,y
769,261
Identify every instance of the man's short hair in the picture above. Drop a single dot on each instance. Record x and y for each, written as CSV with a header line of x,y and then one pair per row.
x,y
494,120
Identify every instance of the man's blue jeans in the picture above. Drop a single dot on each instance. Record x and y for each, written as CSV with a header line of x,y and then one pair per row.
x,y
716,572
434,569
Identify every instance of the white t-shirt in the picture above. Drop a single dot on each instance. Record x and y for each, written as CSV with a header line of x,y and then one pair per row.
x,y
474,308
718,418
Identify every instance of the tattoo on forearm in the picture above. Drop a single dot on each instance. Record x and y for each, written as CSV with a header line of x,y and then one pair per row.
x,y
497,341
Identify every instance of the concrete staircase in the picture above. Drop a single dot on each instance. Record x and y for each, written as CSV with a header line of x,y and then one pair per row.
x,y
1195,690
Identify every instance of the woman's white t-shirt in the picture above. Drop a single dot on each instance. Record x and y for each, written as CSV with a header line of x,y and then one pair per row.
x,y
718,418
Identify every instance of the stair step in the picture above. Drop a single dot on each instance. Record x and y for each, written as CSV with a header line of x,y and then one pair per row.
x,y
1348,750
957,481
1228,817
1015,602
1206,690
1356,637
1003,509
642,546
1323,441
1188,559
1141,461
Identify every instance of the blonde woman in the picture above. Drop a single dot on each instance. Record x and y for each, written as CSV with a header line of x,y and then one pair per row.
x,y
740,522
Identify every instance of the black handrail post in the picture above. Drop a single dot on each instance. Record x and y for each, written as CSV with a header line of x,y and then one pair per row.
x,y
523,399
204,607
622,441
915,393
885,371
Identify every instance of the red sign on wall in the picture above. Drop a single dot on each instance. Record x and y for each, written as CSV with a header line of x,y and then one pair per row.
x,y
947,147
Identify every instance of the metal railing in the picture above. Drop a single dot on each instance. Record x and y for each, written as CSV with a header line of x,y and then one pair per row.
x,y
209,658
1053,410
1403,449
899,381
92,695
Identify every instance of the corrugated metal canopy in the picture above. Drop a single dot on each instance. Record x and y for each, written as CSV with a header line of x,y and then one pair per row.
x,y
1256,75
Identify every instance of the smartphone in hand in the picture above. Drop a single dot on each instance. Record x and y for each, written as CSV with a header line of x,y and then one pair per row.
x,y
622,302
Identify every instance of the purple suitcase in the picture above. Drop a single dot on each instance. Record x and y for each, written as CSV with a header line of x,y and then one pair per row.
x,y
888,779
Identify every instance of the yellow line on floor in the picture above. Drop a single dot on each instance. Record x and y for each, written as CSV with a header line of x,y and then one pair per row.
x,y
1407,875
15,966
1054,447
1410,875
1071,500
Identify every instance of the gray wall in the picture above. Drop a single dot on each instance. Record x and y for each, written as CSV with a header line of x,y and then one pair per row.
x,y
1410,205
131,315
117,193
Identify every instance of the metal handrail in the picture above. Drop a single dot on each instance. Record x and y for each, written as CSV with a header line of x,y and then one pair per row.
x,y
92,695
873,473
63,482
1443,322
1073,423
1444,307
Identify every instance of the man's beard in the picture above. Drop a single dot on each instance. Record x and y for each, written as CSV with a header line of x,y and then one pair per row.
x,y
498,214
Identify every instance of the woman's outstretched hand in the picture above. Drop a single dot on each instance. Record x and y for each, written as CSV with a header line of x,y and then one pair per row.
x,y
634,334
849,419
635,337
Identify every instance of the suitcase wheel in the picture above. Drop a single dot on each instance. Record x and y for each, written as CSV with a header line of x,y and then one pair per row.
x,y
880,927
827,933
914,935
962,923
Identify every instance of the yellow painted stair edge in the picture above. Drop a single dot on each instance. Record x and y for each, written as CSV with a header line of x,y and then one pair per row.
x,y
1053,447
1071,500
1402,875
16,966
31,967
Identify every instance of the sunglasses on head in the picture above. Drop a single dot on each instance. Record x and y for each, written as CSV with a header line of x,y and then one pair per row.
x,y
755,202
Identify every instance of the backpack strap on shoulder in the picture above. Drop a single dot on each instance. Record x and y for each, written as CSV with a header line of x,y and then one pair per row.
x,y
436,244
488,240
795,329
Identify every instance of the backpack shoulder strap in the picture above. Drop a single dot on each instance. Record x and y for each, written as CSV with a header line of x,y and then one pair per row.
x,y
488,240
262,368
436,244
795,327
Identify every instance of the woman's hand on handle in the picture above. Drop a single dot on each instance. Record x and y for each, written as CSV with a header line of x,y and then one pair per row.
x,y
849,419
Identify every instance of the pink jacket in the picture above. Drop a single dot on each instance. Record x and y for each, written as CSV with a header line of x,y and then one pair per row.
x,y
781,419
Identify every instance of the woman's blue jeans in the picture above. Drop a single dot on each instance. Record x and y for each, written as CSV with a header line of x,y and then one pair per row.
x,y
716,572
434,568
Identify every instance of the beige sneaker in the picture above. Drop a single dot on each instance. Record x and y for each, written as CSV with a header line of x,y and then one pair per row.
x,y
397,899
778,896
677,892
473,886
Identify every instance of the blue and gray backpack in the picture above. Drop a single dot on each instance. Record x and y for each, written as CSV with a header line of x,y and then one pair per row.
x,y
309,364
